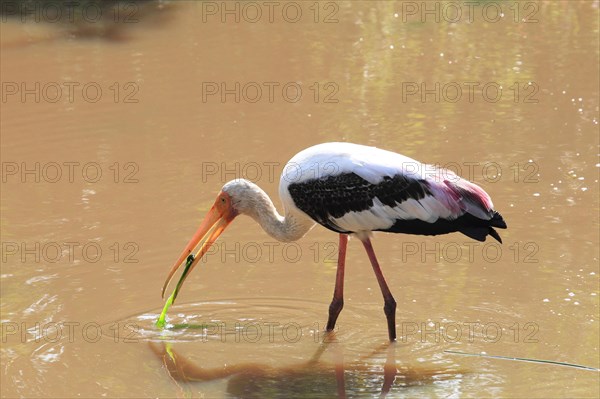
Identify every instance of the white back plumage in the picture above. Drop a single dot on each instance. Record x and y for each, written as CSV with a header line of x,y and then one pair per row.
x,y
374,164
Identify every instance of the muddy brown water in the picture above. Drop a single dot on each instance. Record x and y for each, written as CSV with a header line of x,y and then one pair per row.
x,y
104,185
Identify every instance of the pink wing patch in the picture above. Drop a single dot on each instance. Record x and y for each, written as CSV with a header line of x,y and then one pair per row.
x,y
459,195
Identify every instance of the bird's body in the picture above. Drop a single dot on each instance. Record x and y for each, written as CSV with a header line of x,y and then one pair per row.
x,y
355,189
350,188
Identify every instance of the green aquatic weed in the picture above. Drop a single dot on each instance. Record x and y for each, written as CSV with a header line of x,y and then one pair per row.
x,y
162,322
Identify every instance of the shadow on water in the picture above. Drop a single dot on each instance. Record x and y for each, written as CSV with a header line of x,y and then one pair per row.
x,y
109,20
310,379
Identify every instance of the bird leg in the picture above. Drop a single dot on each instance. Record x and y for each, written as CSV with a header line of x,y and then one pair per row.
x,y
338,294
389,302
389,370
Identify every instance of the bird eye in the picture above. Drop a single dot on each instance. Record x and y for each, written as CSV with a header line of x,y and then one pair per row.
x,y
223,200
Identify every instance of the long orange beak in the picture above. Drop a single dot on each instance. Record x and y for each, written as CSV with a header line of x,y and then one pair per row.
x,y
218,218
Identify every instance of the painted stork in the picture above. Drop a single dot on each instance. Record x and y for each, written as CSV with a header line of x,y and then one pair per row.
x,y
352,189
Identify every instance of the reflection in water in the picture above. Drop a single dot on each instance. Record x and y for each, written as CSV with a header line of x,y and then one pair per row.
x,y
309,379
110,20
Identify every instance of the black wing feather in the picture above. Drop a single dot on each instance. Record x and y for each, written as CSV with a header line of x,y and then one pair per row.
x,y
334,196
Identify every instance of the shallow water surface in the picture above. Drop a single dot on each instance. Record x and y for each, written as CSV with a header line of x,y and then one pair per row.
x,y
101,193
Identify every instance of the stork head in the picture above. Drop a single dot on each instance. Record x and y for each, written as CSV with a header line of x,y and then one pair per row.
x,y
235,198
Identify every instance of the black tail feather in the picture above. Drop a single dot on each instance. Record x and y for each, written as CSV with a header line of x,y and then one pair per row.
x,y
476,233
480,233
497,221
469,225
495,234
